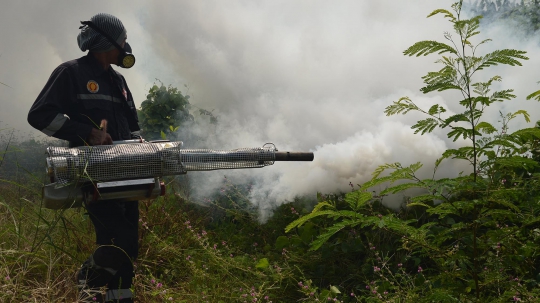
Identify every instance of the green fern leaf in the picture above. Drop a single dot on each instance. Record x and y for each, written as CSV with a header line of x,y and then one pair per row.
x,y
403,105
321,205
401,187
347,214
474,24
415,166
444,79
384,167
465,152
502,95
399,173
424,198
470,62
524,113
467,28
329,232
453,154
466,102
502,142
459,132
438,162
482,100
527,133
418,204
429,47
447,61
357,199
406,173
481,88
425,126
535,96
517,162
454,119
454,208
375,182
298,222
476,114
483,41
485,127
441,86
436,109
504,56
507,204
446,13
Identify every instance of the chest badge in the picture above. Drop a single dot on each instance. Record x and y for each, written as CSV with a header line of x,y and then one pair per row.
x,y
92,86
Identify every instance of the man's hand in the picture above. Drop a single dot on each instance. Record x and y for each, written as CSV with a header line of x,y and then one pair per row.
x,y
100,136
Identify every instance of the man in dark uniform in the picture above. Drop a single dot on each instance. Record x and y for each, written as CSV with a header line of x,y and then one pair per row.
x,y
86,102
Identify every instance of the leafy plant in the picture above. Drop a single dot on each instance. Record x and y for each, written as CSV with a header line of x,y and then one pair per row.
x,y
473,238
163,112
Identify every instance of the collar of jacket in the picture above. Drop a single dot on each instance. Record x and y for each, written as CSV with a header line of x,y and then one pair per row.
x,y
96,66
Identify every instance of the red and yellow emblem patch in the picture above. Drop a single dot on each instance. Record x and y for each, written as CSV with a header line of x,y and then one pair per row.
x,y
92,86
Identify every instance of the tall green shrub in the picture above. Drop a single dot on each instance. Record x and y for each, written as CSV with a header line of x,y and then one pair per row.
x,y
163,112
477,237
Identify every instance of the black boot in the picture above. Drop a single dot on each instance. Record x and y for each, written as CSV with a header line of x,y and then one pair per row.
x,y
87,293
91,282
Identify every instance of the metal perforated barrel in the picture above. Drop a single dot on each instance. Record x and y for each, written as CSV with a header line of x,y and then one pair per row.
x,y
142,160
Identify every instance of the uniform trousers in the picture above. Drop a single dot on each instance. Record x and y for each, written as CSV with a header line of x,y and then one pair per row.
x,y
116,224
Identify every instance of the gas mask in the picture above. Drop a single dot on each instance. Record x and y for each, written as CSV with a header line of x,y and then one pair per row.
x,y
125,58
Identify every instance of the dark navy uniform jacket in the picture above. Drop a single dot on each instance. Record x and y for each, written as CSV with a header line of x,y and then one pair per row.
x,y
78,95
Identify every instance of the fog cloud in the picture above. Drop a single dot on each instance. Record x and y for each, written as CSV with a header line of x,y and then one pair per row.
x,y
305,75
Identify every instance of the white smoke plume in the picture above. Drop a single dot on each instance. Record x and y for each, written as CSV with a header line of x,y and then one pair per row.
x,y
305,75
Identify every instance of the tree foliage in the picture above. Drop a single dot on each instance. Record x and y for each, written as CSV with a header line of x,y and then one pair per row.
x,y
163,112
472,232
525,14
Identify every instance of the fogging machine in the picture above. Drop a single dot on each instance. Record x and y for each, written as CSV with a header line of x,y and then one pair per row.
x,y
133,169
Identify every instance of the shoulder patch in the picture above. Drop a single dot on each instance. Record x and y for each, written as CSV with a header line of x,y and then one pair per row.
x,y
92,86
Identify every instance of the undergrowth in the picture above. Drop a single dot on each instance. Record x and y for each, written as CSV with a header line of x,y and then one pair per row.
x,y
180,260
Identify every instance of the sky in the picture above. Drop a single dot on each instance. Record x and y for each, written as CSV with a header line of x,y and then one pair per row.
x,y
304,75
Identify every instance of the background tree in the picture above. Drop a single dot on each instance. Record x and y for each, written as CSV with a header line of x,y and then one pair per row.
x,y
525,14
163,112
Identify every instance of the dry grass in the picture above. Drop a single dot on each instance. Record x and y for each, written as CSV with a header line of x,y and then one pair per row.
x,y
40,251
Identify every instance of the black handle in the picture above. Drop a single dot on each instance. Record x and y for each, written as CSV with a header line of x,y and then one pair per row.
x,y
294,156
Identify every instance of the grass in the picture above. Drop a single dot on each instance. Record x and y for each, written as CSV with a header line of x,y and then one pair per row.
x,y
179,260
187,252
